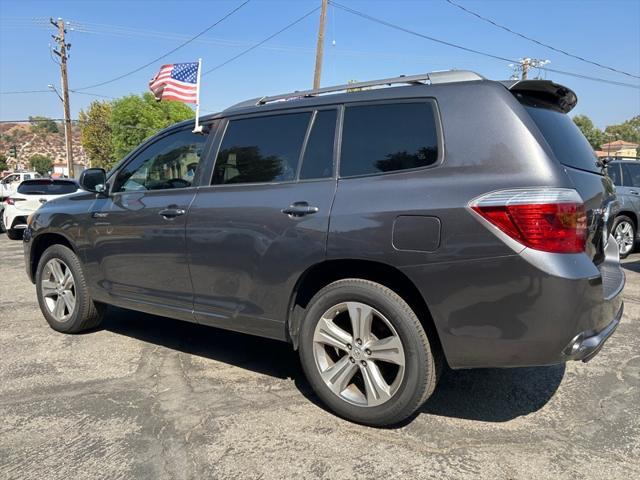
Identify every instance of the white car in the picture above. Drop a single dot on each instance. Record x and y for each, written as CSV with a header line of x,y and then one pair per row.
x,y
28,198
9,183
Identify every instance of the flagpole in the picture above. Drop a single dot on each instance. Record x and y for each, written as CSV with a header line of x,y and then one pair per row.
x,y
198,127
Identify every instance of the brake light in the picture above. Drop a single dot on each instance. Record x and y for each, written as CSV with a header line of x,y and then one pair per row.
x,y
9,201
547,219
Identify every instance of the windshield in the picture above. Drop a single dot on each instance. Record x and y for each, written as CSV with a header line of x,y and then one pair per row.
x,y
47,187
566,140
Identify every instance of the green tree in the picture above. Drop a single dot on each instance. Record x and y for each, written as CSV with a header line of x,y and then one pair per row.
x,y
43,125
95,134
41,163
593,134
628,131
134,118
3,163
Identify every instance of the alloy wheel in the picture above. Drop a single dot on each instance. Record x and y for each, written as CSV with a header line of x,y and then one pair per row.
x,y
624,237
58,289
359,354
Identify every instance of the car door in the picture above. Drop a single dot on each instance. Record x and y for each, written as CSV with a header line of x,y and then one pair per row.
x,y
629,191
264,219
137,234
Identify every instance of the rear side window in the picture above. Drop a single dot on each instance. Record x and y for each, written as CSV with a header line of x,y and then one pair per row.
x,y
47,187
565,139
613,169
318,155
261,149
388,137
631,175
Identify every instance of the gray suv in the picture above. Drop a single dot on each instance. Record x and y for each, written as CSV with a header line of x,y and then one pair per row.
x,y
381,228
625,174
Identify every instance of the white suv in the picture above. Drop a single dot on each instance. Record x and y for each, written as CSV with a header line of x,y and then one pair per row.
x,y
30,195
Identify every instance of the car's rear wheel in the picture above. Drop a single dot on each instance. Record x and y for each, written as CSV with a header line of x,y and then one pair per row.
x,y
62,292
624,231
365,353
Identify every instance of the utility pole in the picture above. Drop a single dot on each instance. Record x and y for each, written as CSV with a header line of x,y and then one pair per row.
x,y
522,67
526,62
320,45
62,53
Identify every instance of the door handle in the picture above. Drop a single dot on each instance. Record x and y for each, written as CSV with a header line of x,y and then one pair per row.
x,y
299,209
172,212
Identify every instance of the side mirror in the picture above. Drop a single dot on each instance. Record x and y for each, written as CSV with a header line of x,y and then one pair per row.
x,y
94,180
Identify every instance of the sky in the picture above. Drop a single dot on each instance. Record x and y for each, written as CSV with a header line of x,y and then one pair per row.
x,y
110,38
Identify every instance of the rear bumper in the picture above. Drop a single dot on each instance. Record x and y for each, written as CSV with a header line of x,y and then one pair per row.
x,y
519,310
586,345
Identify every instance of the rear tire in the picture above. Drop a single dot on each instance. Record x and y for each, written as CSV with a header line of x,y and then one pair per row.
x,y
62,292
380,379
624,231
15,234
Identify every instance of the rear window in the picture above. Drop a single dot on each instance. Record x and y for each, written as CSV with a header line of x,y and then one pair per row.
x,y
565,139
47,187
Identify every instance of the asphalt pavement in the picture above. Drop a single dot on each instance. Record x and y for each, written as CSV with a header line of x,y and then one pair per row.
x,y
154,398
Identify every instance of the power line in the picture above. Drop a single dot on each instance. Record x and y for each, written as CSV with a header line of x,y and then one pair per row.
x,y
550,47
169,52
253,47
471,50
24,91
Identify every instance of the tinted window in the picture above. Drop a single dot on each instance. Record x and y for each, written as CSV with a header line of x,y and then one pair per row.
x,y
262,149
631,175
47,187
317,161
170,162
565,139
613,169
385,138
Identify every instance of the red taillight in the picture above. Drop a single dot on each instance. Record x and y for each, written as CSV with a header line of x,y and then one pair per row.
x,y
551,220
9,201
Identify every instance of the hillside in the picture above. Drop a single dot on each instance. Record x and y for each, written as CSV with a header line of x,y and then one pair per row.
x,y
29,142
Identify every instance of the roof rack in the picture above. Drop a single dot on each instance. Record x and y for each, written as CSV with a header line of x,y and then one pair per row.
x,y
448,76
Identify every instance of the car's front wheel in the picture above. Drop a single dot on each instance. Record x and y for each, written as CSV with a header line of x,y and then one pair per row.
x,y
365,353
62,292
624,231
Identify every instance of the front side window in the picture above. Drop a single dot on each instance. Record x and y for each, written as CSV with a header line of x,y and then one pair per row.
x,y
261,149
631,175
388,137
171,162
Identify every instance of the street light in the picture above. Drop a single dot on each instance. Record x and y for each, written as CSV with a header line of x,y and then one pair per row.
x,y
53,89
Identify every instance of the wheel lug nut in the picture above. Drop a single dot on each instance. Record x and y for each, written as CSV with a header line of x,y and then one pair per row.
x,y
349,346
358,341
352,360
363,363
367,351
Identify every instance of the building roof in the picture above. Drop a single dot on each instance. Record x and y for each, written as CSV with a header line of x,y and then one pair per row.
x,y
618,143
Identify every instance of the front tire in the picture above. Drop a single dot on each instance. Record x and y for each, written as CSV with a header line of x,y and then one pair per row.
x,y
624,231
365,353
62,292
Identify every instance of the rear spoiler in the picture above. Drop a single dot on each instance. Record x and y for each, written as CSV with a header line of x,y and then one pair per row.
x,y
544,91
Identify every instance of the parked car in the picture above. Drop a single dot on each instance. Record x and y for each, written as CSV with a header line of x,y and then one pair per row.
x,y
30,195
380,231
625,174
9,184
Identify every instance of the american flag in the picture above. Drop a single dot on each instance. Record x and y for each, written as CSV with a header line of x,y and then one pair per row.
x,y
176,81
